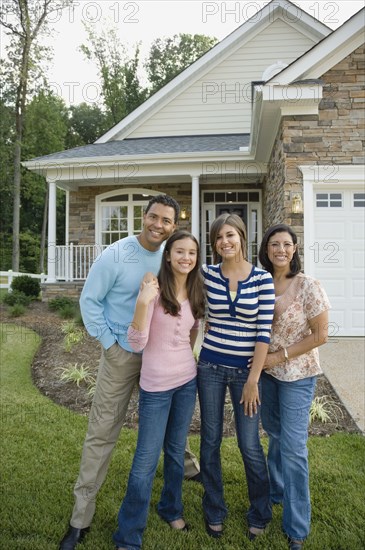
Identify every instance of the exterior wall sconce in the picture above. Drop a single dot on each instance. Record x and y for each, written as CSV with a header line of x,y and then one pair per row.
x,y
184,214
297,204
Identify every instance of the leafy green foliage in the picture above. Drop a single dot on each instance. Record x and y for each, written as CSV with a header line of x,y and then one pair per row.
x,y
91,388
73,335
86,123
24,21
77,374
67,312
324,410
120,84
59,302
16,297
17,310
27,284
66,307
49,125
169,56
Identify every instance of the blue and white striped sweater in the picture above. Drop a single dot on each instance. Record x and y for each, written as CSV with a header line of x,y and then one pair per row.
x,y
236,325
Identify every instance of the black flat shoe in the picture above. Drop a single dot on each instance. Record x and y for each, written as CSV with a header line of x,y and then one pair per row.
x,y
211,532
73,537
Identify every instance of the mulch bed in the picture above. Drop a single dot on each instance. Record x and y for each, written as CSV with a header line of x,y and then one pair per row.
x,y
51,357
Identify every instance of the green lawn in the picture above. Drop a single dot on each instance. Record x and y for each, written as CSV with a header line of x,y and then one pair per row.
x,y
41,447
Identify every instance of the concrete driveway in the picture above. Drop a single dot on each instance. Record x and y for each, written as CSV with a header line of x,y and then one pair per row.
x,y
343,363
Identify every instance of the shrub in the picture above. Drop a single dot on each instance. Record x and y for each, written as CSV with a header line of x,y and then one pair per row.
x,y
16,310
68,311
16,298
59,302
24,283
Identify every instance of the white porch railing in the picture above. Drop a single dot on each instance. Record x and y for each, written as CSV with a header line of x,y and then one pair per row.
x,y
8,276
73,261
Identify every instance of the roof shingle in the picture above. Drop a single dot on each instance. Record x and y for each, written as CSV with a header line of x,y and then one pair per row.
x,y
155,145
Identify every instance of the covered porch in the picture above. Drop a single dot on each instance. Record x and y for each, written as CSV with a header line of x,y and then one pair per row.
x,y
107,189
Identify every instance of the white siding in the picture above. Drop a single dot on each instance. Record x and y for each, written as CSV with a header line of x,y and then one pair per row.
x,y
226,105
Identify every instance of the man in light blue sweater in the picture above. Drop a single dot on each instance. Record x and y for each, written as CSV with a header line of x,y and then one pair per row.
x,y
107,305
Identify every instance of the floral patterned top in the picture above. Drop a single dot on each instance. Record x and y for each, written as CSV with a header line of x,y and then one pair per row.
x,y
304,299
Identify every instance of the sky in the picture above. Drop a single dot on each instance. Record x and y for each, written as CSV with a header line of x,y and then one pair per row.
x,y
76,79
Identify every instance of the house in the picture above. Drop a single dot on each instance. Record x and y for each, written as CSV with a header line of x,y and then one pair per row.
x,y
268,124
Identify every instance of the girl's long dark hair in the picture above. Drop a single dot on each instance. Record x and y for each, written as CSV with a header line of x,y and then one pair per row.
x,y
194,283
295,264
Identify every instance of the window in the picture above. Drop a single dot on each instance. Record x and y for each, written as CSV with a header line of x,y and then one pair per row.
x,y
120,213
359,200
329,200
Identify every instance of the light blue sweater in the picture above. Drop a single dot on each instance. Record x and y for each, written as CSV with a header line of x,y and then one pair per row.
x,y
110,292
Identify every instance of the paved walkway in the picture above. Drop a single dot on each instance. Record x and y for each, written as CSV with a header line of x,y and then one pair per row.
x,y
343,363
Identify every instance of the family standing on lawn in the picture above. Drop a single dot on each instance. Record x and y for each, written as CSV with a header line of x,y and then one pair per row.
x,y
261,333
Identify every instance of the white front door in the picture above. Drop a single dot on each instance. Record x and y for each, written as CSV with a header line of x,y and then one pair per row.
x,y
245,204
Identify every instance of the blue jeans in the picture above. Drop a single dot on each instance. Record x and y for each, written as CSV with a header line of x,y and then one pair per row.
x,y
213,381
164,420
285,416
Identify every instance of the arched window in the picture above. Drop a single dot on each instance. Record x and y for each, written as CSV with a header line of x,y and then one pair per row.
x,y
119,213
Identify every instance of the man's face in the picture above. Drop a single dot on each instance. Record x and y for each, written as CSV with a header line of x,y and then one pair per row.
x,y
158,225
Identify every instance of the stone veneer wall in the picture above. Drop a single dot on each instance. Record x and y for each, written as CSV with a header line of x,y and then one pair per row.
x,y
335,136
82,207
61,288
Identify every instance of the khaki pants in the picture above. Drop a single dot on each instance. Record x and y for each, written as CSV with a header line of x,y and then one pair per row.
x,y
118,374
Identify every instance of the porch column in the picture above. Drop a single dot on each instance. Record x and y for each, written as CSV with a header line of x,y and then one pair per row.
x,y
67,230
67,217
195,206
51,260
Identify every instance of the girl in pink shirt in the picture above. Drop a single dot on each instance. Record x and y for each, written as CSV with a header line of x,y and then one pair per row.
x,y
165,327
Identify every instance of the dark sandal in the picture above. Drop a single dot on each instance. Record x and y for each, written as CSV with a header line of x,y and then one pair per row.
x,y
184,529
212,532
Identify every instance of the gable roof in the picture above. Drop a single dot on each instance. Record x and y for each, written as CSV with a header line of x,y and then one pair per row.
x,y
293,14
327,53
297,89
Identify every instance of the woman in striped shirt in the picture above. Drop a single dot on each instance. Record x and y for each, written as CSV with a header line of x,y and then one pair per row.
x,y
240,311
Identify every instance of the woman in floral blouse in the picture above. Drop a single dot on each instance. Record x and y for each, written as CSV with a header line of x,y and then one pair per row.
x,y
300,325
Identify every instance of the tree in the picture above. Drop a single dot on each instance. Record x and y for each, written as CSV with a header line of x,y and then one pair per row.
x,y
169,56
86,124
25,20
45,132
120,84
6,180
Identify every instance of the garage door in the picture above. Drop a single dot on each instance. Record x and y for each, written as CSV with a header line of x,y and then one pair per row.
x,y
338,253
